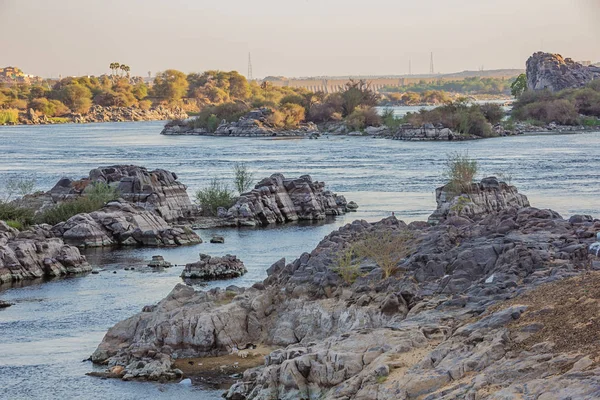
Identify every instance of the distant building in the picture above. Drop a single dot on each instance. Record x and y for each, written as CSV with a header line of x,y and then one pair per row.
x,y
16,75
585,63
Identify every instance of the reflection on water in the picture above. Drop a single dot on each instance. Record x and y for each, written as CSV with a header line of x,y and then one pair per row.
x,y
55,325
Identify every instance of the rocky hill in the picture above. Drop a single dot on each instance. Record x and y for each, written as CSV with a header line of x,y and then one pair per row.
x,y
447,318
555,73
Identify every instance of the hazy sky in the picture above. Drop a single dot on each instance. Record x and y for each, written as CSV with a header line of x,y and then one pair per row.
x,y
292,37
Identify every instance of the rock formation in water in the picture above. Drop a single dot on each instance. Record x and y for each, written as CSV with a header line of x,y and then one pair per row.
x,y
490,195
253,124
109,114
36,254
214,268
278,200
122,223
157,191
442,326
555,73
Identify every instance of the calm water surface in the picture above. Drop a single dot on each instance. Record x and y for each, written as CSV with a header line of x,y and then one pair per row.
x,y
55,325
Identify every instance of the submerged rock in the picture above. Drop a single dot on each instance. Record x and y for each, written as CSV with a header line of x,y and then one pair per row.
x,y
217,239
5,304
214,268
279,200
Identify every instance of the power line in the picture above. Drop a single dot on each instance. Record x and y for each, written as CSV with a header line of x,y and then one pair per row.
x,y
249,67
431,68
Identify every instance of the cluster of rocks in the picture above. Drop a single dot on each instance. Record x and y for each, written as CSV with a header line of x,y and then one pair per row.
x,y
437,329
36,254
109,114
122,223
214,268
157,191
555,73
253,124
488,196
427,132
279,200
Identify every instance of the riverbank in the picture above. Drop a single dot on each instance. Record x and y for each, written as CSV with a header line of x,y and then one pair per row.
x,y
103,114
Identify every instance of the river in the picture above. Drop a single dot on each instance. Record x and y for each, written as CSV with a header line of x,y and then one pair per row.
x,y
54,325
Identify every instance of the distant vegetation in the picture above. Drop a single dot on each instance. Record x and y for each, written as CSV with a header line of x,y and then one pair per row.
x,y
461,117
567,107
468,86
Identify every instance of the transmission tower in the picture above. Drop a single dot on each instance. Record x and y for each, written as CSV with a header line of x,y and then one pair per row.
x,y
249,67
431,69
409,67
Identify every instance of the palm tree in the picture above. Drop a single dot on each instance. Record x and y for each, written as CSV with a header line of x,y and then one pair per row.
x,y
114,67
126,68
122,68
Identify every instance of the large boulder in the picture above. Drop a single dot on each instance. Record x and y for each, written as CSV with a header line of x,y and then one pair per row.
x,y
121,223
555,73
279,200
488,196
36,254
213,268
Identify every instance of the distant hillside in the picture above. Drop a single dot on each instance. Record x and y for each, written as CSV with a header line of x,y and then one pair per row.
x,y
493,73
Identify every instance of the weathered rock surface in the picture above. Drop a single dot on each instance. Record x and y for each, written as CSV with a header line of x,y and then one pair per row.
x,y
427,132
122,223
109,114
490,195
5,304
253,124
214,268
157,191
555,73
36,254
437,329
278,200
159,262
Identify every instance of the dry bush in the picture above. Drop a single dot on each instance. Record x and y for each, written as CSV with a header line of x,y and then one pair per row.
x,y
387,249
347,265
460,170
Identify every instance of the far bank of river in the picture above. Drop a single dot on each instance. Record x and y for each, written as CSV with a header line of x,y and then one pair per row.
x,y
55,325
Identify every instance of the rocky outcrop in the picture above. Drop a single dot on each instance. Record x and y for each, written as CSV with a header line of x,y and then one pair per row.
x,y
122,223
426,132
157,191
278,200
109,114
36,254
440,327
490,195
159,262
254,124
555,73
214,268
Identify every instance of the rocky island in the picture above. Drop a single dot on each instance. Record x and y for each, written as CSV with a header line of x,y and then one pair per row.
x,y
460,312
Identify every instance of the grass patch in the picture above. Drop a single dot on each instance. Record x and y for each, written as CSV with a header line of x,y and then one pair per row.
x,y
216,194
460,170
59,120
9,116
19,217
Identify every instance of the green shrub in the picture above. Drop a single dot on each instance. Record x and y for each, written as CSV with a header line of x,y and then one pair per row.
x,y
215,195
12,212
458,116
15,224
347,265
387,249
460,170
95,197
210,116
390,120
9,116
362,117
494,113
243,179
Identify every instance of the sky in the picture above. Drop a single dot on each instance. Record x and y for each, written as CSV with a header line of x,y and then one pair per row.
x,y
292,38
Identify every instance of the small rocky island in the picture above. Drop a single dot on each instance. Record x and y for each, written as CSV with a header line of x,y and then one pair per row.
x,y
213,268
482,300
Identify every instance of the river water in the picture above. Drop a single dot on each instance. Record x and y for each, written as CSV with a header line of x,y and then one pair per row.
x,y
54,325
